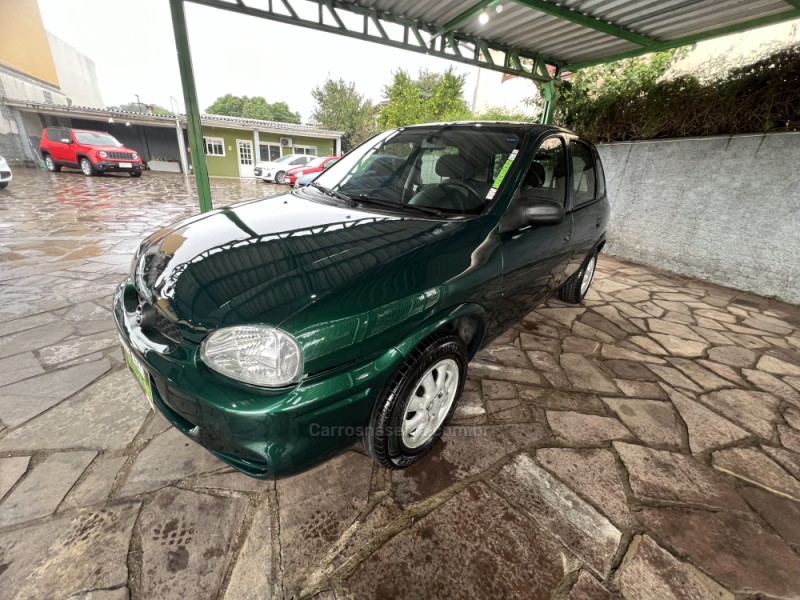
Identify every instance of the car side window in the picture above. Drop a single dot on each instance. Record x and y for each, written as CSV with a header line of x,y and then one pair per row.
x,y
54,134
297,161
546,178
583,174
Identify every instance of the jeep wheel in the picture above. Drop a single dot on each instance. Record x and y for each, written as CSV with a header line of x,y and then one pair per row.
x,y
51,164
574,289
86,167
417,402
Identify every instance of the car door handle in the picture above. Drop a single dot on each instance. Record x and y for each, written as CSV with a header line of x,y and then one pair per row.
x,y
598,222
567,237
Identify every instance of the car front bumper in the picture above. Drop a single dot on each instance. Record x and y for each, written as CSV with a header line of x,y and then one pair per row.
x,y
264,433
109,166
5,175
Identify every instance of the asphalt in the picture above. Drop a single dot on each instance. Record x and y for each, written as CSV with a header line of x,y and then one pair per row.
x,y
643,445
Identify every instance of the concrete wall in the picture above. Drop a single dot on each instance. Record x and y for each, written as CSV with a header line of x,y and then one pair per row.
x,y
23,41
725,209
76,74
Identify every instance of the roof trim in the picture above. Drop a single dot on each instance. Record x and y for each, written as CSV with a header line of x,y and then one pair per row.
x,y
221,121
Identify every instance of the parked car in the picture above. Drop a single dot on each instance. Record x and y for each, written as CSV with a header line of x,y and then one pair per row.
x,y
274,171
92,152
276,332
305,179
5,173
317,165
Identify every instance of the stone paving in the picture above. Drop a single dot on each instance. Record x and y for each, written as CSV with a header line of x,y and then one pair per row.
x,y
644,445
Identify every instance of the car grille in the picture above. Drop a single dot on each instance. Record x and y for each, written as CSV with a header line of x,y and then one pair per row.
x,y
4,174
167,328
121,155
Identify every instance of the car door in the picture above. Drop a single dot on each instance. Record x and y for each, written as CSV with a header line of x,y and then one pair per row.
x,y
588,201
70,146
57,146
535,258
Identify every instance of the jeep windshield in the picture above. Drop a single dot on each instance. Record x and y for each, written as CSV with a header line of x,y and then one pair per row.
x,y
451,170
96,138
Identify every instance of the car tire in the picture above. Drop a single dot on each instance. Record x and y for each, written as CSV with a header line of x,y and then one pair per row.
x,y
51,164
3,185
401,429
135,173
86,167
574,289
280,177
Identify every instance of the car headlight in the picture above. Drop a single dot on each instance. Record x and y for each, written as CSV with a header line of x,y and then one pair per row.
x,y
102,154
255,354
135,156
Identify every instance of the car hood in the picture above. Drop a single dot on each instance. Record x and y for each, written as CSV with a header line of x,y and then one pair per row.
x,y
262,261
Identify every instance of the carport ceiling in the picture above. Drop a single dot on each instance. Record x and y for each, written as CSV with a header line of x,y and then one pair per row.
x,y
522,37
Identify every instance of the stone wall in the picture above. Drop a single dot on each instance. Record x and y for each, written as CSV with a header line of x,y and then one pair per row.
x,y
726,209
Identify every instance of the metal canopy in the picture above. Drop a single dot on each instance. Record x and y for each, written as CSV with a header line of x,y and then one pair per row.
x,y
536,39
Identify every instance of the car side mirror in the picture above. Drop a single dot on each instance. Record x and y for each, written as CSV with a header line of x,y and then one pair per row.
x,y
528,210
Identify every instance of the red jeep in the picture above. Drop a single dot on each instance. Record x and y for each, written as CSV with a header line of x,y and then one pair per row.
x,y
90,151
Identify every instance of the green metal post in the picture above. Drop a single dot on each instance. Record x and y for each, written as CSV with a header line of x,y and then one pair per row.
x,y
550,90
192,108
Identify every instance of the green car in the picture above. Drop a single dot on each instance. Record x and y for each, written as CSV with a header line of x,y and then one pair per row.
x,y
276,332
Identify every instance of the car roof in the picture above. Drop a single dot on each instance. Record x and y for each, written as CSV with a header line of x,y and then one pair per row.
x,y
533,128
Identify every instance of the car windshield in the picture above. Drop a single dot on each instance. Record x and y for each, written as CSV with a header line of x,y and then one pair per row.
x,y
283,159
317,162
448,170
96,138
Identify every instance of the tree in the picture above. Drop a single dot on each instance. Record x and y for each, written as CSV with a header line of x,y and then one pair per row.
x,y
429,97
498,113
137,107
253,108
339,107
586,91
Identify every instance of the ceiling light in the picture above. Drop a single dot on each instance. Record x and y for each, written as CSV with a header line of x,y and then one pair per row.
x,y
127,123
110,120
483,19
498,9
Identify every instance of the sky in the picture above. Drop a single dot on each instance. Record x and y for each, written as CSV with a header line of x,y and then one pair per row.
x,y
133,48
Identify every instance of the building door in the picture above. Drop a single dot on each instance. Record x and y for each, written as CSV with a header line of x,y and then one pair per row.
x,y
245,153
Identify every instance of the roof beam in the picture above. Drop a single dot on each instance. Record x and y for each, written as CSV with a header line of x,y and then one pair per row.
x,y
689,39
588,21
410,27
466,16
794,3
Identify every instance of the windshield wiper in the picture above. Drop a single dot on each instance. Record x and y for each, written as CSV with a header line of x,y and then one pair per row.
x,y
399,206
333,193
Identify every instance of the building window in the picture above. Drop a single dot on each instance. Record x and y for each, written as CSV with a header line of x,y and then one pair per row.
x,y
48,97
312,150
270,152
214,146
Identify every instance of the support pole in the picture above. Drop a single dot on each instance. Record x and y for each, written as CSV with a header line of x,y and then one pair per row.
x,y
550,91
192,108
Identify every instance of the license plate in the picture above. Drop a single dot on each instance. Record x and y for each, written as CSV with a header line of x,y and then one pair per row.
x,y
126,165
139,373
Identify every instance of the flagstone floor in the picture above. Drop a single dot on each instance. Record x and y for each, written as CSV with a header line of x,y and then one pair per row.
x,y
644,445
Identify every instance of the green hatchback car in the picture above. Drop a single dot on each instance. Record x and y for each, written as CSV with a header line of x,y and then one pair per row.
x,y
276,332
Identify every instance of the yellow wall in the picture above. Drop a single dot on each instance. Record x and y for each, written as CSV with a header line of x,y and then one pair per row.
x,y
23,41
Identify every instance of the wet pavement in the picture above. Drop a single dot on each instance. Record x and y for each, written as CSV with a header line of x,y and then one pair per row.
x,y
643,445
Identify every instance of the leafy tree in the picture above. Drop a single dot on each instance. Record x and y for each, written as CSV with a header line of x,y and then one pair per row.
x,y
338,106
498,113
142,108
429,97
253,108
589,89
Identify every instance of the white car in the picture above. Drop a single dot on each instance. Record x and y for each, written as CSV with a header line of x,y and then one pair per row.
x,y
5,173
276,169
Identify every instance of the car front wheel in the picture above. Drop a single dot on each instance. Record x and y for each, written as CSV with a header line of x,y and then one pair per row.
x,y
280,177
417,402
51,164
574,289
86,167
